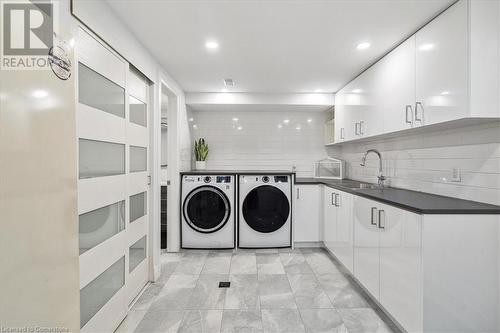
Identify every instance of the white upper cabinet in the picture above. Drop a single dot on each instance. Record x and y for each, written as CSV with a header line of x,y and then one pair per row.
x,y
395,87
448,70
441,68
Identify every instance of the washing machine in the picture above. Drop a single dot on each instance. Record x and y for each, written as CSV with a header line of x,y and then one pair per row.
x,y
265,211
207,211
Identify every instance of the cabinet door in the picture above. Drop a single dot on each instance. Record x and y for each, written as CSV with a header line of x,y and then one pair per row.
x,y
343,246
400,266
366,244
339,117
307,213
329,218
395,87
441,67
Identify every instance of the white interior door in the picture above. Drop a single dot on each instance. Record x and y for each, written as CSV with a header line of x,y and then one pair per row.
x,y
113,144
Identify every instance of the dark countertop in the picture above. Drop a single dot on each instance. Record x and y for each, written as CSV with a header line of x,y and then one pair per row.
x,y
237,172
417,202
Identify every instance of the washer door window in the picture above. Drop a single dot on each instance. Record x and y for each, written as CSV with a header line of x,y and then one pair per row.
x,y
266,209
206,209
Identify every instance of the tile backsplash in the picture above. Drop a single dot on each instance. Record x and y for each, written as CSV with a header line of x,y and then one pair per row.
x,y
261,140
425,162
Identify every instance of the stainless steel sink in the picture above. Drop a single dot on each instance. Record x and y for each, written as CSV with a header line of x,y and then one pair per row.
x,y
368,186
355,185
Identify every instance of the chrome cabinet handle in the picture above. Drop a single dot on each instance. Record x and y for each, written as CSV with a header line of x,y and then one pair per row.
x,y
298,193
416,111
409,120
342,134
361,127
337,201
374,216
381,219
356,131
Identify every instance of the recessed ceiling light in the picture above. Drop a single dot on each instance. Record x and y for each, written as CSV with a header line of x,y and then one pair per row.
x,y
286,121
363,46
309,120
445,92
426,47
235,119
318,90
298,127
195,126
40,94
223,90
212,45
191,120
280,126
357,91
239,128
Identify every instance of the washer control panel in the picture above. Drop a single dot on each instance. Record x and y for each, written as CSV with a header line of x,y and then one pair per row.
x,y
208,179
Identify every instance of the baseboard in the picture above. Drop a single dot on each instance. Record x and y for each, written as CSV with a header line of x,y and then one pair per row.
x,y
307,244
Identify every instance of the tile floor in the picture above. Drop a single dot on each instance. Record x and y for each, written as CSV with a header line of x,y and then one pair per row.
x,y
301,290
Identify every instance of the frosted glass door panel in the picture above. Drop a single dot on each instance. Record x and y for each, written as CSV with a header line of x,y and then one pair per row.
x,y
100,224
99,291
137,206
99,158
138,159
137,253
98,92
138,111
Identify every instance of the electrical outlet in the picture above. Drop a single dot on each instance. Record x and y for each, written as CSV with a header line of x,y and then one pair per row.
x,y
456,175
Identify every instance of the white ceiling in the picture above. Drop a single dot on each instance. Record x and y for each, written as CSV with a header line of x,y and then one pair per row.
x,y
272,46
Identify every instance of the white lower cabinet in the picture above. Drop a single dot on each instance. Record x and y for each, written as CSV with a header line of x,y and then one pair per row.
x,y
307,213
400,265
387,259
337,225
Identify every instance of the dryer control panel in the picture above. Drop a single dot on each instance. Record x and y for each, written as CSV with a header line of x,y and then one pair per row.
x,y
272,179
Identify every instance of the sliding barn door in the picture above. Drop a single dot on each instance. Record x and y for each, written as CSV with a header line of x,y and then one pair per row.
x,y
112,130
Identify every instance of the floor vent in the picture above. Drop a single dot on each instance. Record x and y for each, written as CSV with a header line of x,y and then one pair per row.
x,y
224,284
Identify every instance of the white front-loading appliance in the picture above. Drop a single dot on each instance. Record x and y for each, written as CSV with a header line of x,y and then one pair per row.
x,y
208,211
265,211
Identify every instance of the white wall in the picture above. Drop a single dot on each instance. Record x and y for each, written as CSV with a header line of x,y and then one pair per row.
x,y
38,198
260,144
424,162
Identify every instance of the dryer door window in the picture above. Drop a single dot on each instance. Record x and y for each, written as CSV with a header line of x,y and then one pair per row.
x,y
266,209
206,209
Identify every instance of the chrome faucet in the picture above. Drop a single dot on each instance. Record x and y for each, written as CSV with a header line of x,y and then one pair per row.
x,y
380,177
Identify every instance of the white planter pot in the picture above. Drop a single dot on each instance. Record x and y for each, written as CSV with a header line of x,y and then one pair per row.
x,y
201,165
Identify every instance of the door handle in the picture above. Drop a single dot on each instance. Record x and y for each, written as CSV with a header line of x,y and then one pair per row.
x,y
361,127
332,200
409,120
342,134
374,216
337,202
416,112
356,131
381,219
298,193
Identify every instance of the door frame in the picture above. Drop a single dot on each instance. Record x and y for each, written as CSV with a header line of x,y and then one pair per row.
x,y
174,101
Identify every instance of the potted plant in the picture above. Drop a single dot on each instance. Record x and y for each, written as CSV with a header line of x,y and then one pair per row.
x,y
201,153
